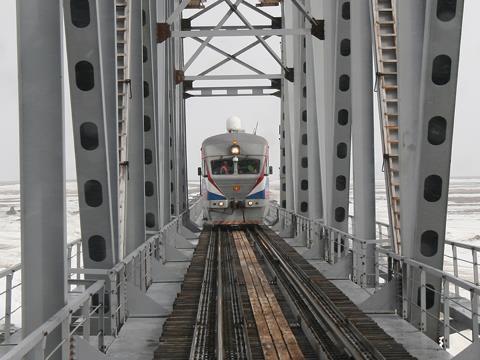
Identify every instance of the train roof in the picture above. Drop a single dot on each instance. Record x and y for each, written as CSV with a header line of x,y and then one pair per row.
x,y
241,138
249,143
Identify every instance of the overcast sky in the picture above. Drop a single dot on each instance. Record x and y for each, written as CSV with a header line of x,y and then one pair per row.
x,y
206,116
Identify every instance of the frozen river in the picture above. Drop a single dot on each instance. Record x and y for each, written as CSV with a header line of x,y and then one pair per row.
x,y
463,223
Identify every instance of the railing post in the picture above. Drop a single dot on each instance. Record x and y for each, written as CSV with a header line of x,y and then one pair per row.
x,y
79,258
86,317
455,267
113,298
405,290
363,264
8,305
69,261
446,314
66,337
377,269
164,242
423,301
474,303
101,320
475,266
331,237
339,246
389,269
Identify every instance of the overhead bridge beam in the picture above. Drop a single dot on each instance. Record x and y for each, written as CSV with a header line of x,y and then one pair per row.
x,y
219,91
235,77
251,32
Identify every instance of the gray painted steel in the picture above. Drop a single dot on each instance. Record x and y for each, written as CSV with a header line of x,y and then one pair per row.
x,y
135,203
315,196
287,161
441,53
163,96
300,118
339,152
328,125
106,16
411,23
362,133
42,172
92,150
150,121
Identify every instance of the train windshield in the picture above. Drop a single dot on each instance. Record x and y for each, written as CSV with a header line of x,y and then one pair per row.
x,y
248,166
222,167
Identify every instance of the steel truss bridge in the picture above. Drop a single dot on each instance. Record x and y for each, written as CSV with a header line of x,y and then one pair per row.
x,y
104,295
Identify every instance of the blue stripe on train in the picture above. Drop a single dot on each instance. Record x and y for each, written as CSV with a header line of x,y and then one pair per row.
x,y
258,195
212,196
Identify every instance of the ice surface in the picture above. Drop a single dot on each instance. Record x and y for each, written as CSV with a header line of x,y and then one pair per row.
x,y
463,221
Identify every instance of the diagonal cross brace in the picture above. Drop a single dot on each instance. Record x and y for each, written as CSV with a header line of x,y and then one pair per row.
x,y
208,39
262,41
231,57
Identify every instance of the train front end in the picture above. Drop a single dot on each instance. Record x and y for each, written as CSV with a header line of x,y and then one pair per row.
x,y
235,175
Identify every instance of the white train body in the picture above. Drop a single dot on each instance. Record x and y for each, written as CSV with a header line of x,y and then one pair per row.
x,y
235,173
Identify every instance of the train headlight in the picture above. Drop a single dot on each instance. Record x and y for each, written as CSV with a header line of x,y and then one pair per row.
x,y
235,149
221,203
250,203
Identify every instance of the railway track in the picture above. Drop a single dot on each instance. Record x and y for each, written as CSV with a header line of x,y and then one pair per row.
x,y
249,295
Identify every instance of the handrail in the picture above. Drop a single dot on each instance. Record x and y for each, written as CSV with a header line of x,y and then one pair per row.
x,y
397,266
40,334
322,223
430,270
8,276
10,270
18,266
334,244
450,259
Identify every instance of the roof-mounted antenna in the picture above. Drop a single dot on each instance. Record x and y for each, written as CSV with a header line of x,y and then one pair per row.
x,y
255,130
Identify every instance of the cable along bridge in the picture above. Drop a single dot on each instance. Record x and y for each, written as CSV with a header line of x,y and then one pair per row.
x,y
149,278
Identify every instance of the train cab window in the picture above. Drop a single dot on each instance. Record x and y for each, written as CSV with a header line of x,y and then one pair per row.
x,y
222,167
248,166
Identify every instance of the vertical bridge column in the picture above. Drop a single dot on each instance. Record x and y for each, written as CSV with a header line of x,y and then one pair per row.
x,y
339,184
42,172
441,52
300,116
150,122
163,132
363,141
287,196
90,36
92,153
311,141
135,202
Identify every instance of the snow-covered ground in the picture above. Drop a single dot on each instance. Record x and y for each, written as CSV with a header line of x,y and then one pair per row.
x,y
10,221
463,222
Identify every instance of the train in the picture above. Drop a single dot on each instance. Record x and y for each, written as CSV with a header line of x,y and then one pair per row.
x,y
235,176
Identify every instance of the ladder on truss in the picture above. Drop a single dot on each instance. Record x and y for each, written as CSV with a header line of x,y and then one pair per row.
x,y
385,40
123,87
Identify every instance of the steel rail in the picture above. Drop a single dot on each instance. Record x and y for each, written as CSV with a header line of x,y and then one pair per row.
x,y
199,348
219,325
322,308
